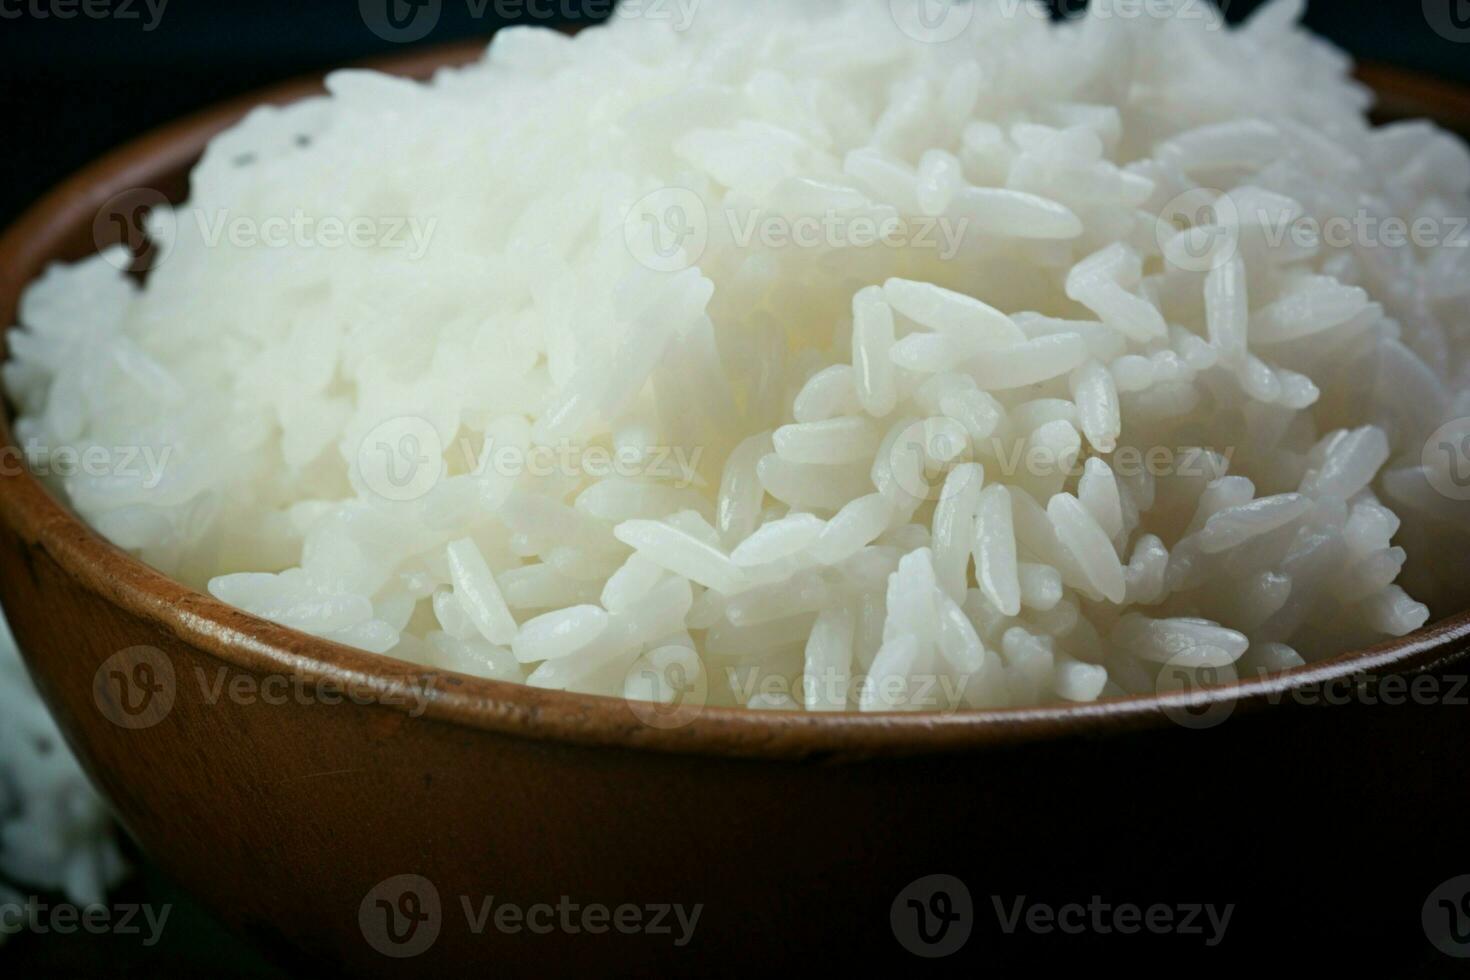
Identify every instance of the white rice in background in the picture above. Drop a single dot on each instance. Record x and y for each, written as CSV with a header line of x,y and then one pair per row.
x,y
55,834
814,392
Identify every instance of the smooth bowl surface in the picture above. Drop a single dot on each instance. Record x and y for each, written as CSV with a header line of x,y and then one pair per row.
x,y
356,811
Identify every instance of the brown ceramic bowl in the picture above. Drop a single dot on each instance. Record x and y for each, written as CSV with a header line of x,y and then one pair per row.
x,y
286,808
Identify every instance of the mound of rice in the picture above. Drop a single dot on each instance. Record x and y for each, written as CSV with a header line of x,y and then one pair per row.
x,y
809,356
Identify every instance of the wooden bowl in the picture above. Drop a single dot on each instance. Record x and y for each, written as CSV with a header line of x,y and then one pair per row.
x,y
339,808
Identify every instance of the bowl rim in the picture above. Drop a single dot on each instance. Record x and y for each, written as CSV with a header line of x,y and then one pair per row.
x,y
245,642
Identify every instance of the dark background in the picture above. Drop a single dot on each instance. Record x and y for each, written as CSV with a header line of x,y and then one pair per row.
x,y
70,89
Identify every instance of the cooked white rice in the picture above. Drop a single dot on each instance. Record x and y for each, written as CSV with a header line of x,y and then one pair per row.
x,y
55,834
633,390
